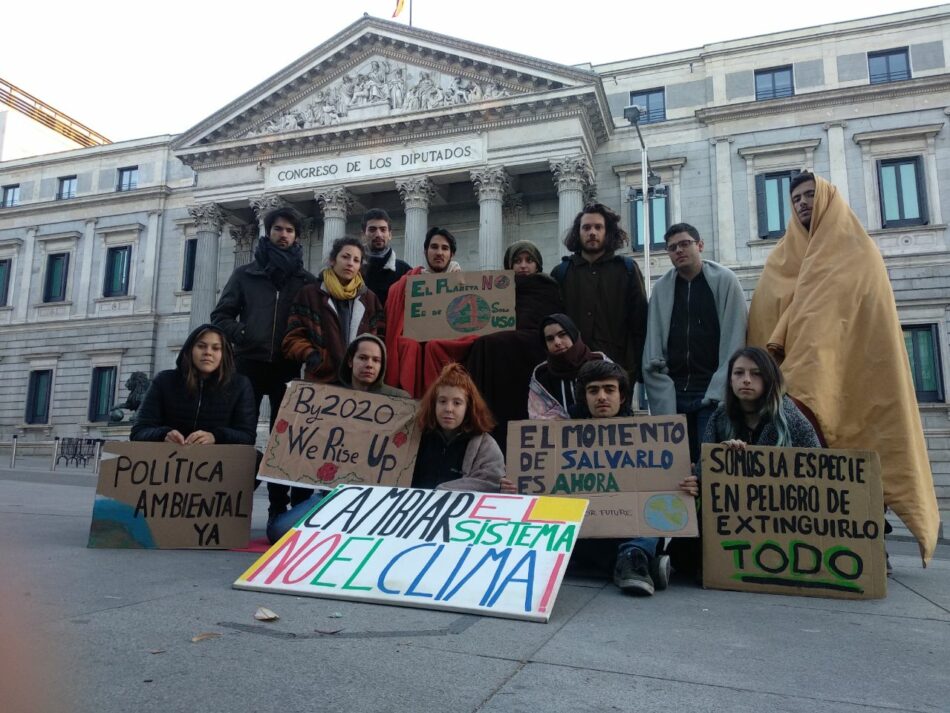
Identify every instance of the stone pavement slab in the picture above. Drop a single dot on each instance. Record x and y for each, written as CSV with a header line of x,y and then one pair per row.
x,y
111,630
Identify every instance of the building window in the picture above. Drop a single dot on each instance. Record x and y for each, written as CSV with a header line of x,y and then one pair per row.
x,y
652,103
118,260
37,399
11,196
902,191
188,269
57,272
102,394
924,354
659,217
128,178
773,83
5,267
67,188
772,202
888,66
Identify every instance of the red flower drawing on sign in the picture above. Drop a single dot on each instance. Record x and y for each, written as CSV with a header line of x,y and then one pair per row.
x,y
327,472
399,439
281,426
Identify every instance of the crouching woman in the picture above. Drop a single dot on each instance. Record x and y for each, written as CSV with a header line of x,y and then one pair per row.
x,y
201,401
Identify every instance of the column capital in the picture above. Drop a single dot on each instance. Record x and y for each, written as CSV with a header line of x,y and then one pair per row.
x,y
491,182
208,217
572,173
835,124
308,228
262,205
415,191
721,139
335,201
244,237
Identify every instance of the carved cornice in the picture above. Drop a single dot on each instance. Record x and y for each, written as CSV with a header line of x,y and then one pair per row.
x,y
244,237
335,201
572,173
789,147
904,133
491,183
262,205
821,100
415,191
208,217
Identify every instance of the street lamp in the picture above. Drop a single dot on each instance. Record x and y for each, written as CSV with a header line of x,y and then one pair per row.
x,y
633,114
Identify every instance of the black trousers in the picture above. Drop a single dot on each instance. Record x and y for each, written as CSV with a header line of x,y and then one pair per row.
x,y
270,379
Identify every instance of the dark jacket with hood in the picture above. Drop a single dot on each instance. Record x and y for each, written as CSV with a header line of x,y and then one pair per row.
x,y
253,308
378,387
226,411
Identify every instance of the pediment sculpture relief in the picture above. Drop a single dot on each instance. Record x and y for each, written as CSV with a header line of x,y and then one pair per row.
x,y
378,89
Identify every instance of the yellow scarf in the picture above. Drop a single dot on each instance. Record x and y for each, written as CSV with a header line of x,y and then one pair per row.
x,y
337,289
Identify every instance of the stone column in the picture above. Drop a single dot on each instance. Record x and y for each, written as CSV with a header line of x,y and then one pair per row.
x,y
148,284
838,163
24,291
574,179
262,205
308,241
245,242
209,218
725,211
491,184
335,202
416,193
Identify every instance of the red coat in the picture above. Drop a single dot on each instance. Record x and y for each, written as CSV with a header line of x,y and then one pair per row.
x,y
404,367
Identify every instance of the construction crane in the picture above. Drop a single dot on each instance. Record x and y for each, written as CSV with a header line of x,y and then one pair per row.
x,y
42,112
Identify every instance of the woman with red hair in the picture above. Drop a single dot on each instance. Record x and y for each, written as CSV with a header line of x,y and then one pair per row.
x,y
457,451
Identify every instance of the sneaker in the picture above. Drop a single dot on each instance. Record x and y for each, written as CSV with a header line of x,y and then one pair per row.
x,y
660,572
631,572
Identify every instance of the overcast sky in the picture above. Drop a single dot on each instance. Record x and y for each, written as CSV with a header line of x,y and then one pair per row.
x,y
130,70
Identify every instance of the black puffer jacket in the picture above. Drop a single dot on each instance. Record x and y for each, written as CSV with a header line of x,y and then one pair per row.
x,y
227,412
253,312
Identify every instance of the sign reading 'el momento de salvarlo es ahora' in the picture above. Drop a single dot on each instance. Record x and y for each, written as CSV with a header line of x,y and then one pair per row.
x,y
802,521
166,496
627,468
449,305
492,554
326,435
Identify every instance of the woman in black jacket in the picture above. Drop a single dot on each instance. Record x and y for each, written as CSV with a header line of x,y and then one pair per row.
x,y
203,401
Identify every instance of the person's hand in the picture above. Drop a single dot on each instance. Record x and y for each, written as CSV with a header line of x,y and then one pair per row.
x,y
174,436
690,485
734,444
508,487
200,438
454,267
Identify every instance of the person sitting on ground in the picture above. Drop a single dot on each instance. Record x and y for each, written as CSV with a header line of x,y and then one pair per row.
x,y
501,363
602,390
326,317
457,451
551,390
362,370
755,410
202,401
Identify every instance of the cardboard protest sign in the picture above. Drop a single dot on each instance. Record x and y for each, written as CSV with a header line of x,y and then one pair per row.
x,y
499,555
326,435
628,468
449,305
167,496
802,521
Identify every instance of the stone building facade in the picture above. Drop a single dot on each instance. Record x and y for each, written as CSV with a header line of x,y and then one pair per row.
x,y
497,147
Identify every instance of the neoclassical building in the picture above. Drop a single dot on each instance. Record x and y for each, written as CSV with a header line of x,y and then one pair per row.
x,y
109,253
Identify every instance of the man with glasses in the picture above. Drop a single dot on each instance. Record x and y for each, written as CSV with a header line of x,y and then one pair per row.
x,y
696,320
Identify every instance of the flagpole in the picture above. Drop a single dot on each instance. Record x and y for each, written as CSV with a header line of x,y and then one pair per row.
x,y
410,13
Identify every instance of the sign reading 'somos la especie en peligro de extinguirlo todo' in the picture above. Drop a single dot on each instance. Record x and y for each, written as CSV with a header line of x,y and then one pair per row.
x,y
404,160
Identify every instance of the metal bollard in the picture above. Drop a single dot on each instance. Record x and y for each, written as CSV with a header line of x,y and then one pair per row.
x,y
97,456
55,452
13,454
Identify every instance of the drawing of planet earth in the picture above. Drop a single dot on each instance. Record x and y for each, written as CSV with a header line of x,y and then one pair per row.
x,y
666,513
468,313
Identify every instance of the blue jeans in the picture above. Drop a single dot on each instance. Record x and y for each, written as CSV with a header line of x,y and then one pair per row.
x,y
647,544
278,525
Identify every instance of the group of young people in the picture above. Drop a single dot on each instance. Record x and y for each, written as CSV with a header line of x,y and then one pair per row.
x,y
584,335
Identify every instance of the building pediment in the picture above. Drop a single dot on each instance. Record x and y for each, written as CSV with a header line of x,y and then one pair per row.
x,y
382,79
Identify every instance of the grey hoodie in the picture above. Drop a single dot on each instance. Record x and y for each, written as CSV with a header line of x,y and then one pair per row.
x,y
346,371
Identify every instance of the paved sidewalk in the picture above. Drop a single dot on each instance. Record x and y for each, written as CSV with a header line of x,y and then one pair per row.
x,y
111,630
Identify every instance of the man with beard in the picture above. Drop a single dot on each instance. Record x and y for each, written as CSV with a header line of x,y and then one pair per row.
x,y
253,310
382,267
603,292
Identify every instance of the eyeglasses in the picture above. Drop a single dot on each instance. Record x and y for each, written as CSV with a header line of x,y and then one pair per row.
x,y
681,245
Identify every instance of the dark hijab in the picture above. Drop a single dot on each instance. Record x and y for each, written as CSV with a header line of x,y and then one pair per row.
x,y
566,365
